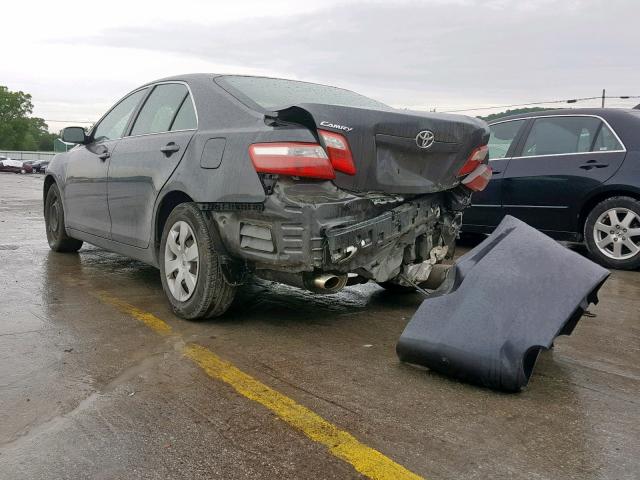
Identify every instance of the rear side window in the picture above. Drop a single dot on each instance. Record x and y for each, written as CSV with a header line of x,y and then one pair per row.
x,y
160,109
113,124
186,117
273,93
561,135
606,141
502,136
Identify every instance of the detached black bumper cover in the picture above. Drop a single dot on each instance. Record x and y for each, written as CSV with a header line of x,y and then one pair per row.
x,y
503,302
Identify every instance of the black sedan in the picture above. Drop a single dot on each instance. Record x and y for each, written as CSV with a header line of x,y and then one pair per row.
x,y
574,174
39,166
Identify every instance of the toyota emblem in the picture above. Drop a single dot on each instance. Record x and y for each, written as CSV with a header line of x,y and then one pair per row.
x,y
425,139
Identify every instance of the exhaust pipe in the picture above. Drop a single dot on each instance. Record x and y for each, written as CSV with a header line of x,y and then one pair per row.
x,y
329,283
324,283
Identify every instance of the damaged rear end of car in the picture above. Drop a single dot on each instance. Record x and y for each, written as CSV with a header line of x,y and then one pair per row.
x,y
353,194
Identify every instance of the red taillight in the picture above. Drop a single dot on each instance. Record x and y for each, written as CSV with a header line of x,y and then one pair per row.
x,y
478,179
291,158
339,152
476,158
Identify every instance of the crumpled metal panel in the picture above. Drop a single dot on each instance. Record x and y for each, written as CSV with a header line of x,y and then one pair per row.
x,y
501,304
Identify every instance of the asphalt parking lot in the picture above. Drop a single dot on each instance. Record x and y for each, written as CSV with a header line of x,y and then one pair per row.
x,y
99,380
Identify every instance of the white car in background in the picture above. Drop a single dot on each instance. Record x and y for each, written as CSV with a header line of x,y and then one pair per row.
x,y
14,166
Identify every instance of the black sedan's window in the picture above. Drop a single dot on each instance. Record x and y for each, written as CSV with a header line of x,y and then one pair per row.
x,y
502,136
160,109
272,93
606,141
186,117
561,135
113,124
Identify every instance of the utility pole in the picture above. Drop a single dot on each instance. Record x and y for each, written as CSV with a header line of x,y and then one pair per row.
x,y
603,93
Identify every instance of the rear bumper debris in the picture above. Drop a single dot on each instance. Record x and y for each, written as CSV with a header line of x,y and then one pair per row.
x,y
319,228
500,305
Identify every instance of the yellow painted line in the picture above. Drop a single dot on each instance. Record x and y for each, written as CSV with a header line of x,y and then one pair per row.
x,y
340,443
150,320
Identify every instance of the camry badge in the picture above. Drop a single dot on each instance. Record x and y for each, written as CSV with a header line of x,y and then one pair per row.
x,y
425,139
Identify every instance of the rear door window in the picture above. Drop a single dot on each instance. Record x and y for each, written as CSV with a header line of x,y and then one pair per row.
x,y
606,141
186,117
561,135
502,137
160,109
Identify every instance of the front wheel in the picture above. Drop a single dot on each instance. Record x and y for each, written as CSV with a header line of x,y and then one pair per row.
x,y
612,233
190,268
57,237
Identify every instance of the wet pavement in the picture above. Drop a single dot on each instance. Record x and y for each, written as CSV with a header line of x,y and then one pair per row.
x,y
88,391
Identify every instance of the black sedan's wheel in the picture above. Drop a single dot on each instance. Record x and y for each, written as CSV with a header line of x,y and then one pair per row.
x,y
190,269
57,237
612,233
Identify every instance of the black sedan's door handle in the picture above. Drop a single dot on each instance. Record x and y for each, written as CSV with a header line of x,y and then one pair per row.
x,y
170,148
593,164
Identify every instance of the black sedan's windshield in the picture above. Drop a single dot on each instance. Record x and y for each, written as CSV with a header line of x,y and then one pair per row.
x,y
272,93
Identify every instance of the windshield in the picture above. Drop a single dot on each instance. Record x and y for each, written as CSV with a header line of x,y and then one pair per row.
x,y
274,93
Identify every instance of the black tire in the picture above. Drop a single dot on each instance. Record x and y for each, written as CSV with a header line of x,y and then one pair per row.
x,y
57,236
212,294
595,252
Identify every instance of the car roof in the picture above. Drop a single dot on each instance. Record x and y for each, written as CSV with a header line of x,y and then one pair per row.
x,y
206,77
606,113
186,77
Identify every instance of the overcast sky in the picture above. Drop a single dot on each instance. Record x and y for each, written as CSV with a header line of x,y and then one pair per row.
x,y
77,58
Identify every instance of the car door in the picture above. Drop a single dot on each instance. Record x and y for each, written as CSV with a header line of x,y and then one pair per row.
x,y
561,160
143,161
486,206
86,167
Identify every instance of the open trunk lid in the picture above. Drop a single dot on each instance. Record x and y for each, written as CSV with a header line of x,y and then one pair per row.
x,y
387,151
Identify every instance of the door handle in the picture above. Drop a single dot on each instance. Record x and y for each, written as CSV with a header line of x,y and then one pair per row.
x,y
103,156
593,164
169,149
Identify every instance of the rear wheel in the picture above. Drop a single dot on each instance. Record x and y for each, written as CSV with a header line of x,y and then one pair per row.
x,y
190,269
57,237
612,233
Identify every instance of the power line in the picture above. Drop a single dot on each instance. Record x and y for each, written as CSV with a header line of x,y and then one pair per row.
x,y
572,100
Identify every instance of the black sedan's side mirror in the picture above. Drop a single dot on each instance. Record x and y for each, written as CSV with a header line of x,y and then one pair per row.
x,y
74,135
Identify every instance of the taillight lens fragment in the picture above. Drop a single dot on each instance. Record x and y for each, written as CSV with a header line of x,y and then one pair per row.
x,y
292,158
339,152
478,179
476,158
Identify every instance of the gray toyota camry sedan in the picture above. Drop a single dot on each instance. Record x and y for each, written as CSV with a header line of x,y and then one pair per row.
x,y
215,178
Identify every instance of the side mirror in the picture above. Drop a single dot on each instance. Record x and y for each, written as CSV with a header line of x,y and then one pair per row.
x,y
74,135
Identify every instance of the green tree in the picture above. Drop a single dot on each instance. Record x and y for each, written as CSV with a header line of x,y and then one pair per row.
x,y
18,130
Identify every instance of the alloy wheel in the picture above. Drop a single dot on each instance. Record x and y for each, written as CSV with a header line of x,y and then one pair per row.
x,y
617,233
54,216
181,261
